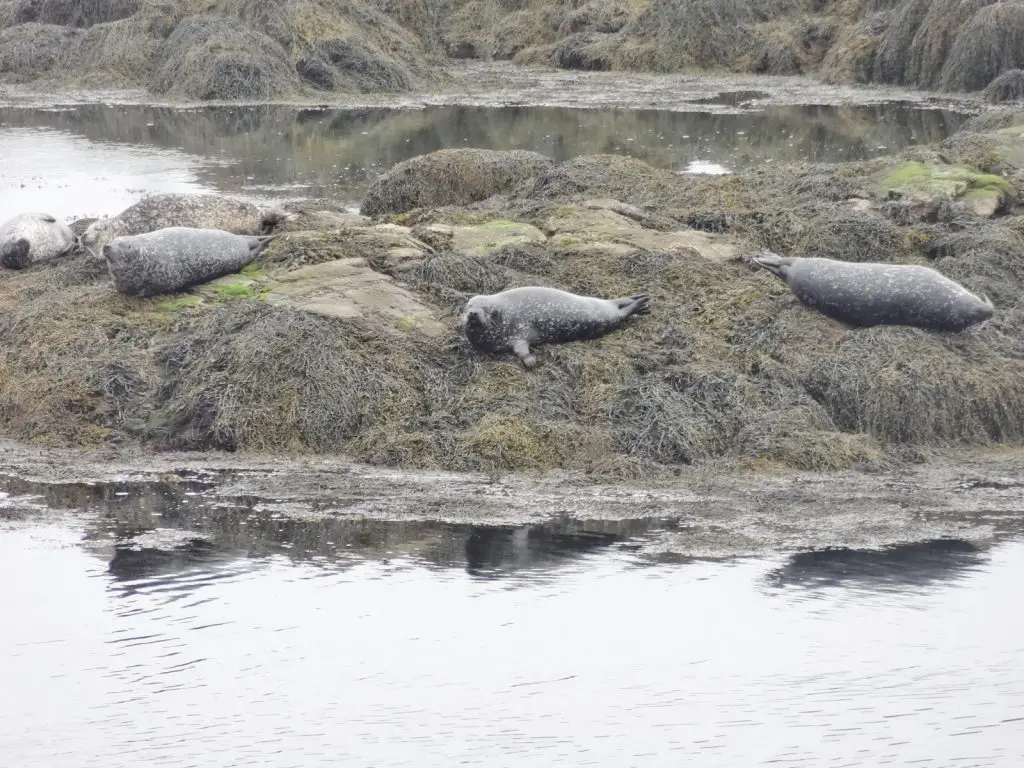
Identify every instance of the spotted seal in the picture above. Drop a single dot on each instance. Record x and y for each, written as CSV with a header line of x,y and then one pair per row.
x,y
175,258
514,319
869,294
31,237
184,209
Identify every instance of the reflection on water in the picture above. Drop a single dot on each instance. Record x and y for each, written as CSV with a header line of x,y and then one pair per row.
x,y
161,624
91,159
895,568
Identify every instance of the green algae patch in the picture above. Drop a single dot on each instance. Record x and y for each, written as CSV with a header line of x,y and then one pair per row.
x,y
177,304
953,181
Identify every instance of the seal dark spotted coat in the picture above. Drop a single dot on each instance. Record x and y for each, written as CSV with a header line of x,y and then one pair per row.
x,y
868,294
516,319
175,258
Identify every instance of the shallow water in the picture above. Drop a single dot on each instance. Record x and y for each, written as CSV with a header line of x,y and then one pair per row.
x,y
161,624
96,159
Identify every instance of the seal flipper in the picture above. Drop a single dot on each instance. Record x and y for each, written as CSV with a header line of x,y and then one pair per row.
x,y
634,305
257,244
16,255
521,347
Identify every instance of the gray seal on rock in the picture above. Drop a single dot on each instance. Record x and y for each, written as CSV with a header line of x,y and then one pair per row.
x,y
868,294
184,209
175,258
514,319
31,237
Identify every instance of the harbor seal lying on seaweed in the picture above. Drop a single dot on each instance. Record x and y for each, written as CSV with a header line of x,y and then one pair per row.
x,y
31,237
175,258
174,209
514,319
865,295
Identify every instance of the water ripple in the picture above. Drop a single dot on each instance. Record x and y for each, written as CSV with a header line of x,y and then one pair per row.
x,y
200,656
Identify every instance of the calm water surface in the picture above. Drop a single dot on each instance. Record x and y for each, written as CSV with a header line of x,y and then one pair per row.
x,y
144,625
93,159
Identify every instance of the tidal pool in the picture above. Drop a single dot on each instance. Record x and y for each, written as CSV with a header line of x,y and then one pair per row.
x,y
94,159
163,624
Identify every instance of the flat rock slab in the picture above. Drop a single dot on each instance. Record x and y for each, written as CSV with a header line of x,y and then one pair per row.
x,y
350,288
602,229
481,239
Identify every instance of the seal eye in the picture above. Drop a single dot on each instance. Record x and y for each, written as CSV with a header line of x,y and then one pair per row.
x,y
495,315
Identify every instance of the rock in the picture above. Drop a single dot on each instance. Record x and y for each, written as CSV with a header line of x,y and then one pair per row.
x,y
383,245
451,177
608,204
576,228
300,219
984,193
350,288
481,239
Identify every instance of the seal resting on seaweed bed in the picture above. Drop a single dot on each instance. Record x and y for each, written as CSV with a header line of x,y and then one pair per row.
x,y
175,258
862,294
31,237
184,209
514,319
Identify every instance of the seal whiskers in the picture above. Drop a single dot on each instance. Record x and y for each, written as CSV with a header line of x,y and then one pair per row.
x,y
516,319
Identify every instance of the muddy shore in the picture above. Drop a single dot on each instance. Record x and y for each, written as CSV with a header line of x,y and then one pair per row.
x,y
497,83
715,511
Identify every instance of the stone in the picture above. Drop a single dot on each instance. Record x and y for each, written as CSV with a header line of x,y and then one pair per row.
x,y
350,288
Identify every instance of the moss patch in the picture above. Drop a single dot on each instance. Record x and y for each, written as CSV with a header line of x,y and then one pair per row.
x,y
951,181
178,303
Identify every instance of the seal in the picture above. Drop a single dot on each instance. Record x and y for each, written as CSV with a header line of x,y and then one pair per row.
x,y
182,209
514,319
868,294
175,258
31,237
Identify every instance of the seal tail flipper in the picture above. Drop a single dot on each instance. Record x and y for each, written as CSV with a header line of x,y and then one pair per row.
x,y
257,244
635,305
774,263
16,255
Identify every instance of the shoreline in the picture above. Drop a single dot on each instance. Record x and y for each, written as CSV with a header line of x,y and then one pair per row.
x,y
720,512
502,84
